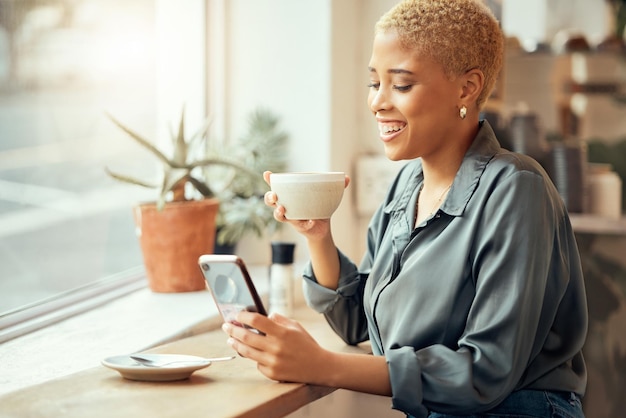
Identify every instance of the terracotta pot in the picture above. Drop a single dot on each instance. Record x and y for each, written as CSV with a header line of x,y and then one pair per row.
x,y
171,241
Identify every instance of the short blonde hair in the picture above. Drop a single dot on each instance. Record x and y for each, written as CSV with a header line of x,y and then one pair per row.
x,y
461,35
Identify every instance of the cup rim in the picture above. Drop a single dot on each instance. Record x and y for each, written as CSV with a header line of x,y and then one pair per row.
x,y
307,176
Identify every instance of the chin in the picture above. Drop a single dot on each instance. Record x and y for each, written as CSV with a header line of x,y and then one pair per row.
x,y
394,155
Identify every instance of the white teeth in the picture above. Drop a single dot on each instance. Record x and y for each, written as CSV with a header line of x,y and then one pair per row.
x,y
387,129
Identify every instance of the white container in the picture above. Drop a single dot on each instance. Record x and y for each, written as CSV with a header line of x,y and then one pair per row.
x,y
604,191
281,293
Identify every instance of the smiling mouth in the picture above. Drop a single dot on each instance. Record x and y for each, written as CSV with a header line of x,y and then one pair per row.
x,y
387,129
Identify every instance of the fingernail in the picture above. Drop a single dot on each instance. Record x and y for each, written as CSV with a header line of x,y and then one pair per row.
x,y
225,327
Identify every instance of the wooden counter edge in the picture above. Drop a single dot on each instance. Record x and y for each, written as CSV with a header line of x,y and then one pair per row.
x,y
261,396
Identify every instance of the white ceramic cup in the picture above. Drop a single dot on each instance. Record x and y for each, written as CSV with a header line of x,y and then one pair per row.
x,y
308,195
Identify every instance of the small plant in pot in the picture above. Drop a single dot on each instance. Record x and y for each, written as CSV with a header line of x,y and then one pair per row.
x,y
180,225
242,210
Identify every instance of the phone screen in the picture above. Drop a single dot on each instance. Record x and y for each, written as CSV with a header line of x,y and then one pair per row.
x,y
231,286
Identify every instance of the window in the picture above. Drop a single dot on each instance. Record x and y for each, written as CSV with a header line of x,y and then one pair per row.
x,y
66,228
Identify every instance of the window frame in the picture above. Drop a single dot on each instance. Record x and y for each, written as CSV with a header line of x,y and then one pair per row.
x,y
184,84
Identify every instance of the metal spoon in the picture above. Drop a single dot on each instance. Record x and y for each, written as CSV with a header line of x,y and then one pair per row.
x,y
160,360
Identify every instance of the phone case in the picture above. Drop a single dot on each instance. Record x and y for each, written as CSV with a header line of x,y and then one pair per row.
x,y
230,285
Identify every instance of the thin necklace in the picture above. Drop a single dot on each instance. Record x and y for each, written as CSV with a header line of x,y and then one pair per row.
x,y
437,203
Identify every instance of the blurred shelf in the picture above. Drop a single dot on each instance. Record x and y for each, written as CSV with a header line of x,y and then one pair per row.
x,y
593,224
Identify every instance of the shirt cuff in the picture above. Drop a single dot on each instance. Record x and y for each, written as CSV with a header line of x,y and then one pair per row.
x,y
321,298
406,382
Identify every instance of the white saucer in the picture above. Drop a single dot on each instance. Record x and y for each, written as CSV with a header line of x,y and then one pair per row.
x,y
133,370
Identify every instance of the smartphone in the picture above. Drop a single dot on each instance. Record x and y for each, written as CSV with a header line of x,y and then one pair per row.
x,y
229,282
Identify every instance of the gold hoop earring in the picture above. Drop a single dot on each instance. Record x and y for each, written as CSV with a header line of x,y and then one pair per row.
x,y
463,112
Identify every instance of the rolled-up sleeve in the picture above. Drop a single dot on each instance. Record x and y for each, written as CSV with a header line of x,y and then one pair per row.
x,y
343,307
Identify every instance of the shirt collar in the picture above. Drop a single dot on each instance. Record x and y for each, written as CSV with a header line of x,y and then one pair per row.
x,y
482,150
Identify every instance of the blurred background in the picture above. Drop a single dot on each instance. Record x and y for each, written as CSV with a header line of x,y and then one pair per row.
x,y
65,226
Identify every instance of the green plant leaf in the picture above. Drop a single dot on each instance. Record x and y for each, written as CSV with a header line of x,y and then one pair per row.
x,y
173,178
241,216
141,141
231,172
201,187
180,145
130,180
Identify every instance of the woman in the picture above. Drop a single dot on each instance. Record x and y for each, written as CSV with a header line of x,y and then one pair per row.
x,y
471,290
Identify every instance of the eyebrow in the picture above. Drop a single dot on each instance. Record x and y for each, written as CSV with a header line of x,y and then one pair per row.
x,y
392,71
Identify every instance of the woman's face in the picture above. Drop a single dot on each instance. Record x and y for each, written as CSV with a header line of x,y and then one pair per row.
x,y
415,104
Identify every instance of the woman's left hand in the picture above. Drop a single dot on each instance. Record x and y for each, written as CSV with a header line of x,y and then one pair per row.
x,y
286,352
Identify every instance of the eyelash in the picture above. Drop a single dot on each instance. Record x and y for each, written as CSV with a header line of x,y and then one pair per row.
x,y
401,89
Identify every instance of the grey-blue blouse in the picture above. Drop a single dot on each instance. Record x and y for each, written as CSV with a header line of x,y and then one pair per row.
x,y
483,298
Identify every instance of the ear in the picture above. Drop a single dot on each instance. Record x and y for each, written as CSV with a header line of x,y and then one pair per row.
x,y
472,83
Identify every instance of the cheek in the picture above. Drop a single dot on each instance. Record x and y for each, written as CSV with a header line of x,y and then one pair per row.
x,y
413,106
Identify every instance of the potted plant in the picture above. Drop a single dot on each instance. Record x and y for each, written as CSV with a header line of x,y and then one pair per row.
x,y
179,226
242,210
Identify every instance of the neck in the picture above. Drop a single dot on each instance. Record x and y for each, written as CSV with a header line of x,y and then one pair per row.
x,y
441,168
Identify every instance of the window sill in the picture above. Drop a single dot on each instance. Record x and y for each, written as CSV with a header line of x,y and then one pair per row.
x,y
134,322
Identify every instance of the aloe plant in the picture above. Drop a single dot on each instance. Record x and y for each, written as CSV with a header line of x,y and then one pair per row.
x,y
183,167
231,172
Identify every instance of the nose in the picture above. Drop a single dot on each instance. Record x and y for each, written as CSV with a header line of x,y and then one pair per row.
x,y
378,100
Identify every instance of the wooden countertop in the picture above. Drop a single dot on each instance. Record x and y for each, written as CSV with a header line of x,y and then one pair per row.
x,y
230,389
